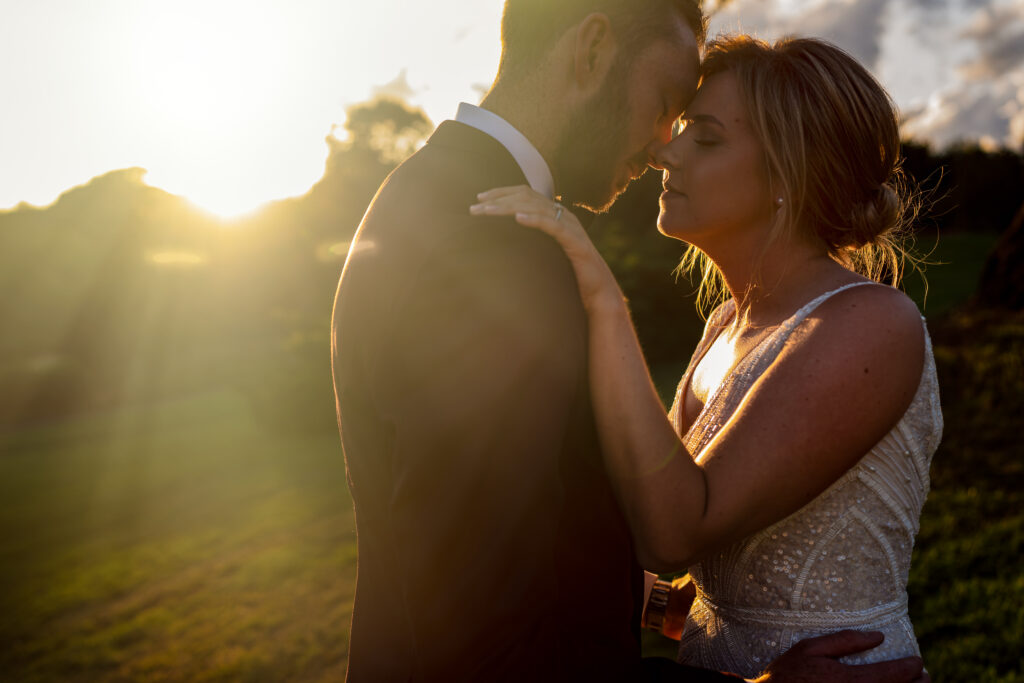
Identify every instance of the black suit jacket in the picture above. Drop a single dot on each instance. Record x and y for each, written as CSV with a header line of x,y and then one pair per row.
x,y
490,546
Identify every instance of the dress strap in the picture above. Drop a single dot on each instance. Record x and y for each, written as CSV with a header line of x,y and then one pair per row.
x,y
809,307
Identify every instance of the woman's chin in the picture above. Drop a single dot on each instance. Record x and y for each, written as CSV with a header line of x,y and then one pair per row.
x,y
668,227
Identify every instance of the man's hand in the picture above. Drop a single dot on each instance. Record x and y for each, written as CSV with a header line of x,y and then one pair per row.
x,y
815,660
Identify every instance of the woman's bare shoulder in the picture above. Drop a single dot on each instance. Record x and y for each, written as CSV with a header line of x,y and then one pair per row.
x,y
878,308
874,330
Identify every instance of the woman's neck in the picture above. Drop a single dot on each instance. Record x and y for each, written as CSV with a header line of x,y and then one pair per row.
x,y
766,285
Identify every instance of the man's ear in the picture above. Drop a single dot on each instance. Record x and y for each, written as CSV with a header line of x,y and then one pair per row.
x,y
595,51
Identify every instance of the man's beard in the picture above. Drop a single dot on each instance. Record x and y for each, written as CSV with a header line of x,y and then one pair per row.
x,y
587,161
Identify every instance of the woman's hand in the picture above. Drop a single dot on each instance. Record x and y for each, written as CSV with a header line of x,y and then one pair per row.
x,y
596,283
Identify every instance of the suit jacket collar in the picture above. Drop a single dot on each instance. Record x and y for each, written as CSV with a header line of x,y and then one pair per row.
x,y
533,165
491,156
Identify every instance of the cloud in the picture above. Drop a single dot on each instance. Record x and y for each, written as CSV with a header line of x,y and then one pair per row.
x,y
947,5
992,112
998,31
854,25
745,17
985,99
398,88
955,67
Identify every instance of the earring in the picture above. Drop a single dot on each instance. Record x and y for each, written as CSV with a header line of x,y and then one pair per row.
x,y
778,202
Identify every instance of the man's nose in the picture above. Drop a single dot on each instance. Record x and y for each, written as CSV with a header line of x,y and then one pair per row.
x,y
662,138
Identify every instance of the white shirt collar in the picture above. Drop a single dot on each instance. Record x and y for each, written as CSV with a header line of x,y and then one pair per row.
x,y
536,170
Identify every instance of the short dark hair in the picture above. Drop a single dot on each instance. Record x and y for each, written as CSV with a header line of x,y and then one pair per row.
x,y
530,28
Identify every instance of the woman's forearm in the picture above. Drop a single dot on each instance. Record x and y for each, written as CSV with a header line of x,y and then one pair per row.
x,y
661,489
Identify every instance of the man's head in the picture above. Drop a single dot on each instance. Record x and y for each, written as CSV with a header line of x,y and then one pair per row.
x,y
617,73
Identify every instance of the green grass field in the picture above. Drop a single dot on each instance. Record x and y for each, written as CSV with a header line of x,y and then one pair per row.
x,y
188,540
181,541
949,274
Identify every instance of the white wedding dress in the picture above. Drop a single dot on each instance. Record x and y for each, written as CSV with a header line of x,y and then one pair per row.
x,y
839,562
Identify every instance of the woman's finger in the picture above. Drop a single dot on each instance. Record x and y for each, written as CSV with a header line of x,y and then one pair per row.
x,y
496,209
520,197
503,191
533,210
506,206
536,220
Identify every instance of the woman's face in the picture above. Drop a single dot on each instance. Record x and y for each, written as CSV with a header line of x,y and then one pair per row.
x,y
715,175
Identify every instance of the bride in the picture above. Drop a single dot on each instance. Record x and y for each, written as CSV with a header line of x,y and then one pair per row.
x,y
790,473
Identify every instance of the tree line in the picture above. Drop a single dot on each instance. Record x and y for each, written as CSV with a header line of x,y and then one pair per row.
x,y
120,292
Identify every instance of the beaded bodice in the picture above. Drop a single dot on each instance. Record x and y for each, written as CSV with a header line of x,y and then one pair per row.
x,y
841,561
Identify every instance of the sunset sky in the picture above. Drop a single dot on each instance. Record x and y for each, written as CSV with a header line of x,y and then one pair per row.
x,y
227,102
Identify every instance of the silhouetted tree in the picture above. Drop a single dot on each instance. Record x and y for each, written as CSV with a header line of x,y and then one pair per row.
x,y
377,136
968,188
388,129
1002,280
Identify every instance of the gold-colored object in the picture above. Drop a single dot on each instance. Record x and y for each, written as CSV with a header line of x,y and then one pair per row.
x,y
657,605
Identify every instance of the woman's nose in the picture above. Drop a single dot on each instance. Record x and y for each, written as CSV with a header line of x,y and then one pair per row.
x,y
660,156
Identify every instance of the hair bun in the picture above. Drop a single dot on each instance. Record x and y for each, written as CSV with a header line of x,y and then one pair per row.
x,y
874,217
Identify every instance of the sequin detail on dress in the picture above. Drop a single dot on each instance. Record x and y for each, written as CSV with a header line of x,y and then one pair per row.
x,y
841,561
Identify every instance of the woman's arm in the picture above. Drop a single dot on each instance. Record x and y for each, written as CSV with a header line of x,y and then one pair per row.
x,y
833,392
657,481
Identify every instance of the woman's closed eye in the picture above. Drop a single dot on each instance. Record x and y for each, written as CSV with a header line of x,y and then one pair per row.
x,y
699,132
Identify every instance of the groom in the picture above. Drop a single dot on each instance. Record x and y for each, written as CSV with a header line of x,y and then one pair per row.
x,y
490,544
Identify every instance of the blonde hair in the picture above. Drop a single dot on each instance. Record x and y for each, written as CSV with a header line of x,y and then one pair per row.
x,y
832,149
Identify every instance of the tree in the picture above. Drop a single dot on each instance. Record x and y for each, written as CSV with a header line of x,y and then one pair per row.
x,y
386,128
1002,280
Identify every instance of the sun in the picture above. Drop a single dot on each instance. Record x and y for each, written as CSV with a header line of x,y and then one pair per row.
x,y
225,102
211,84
